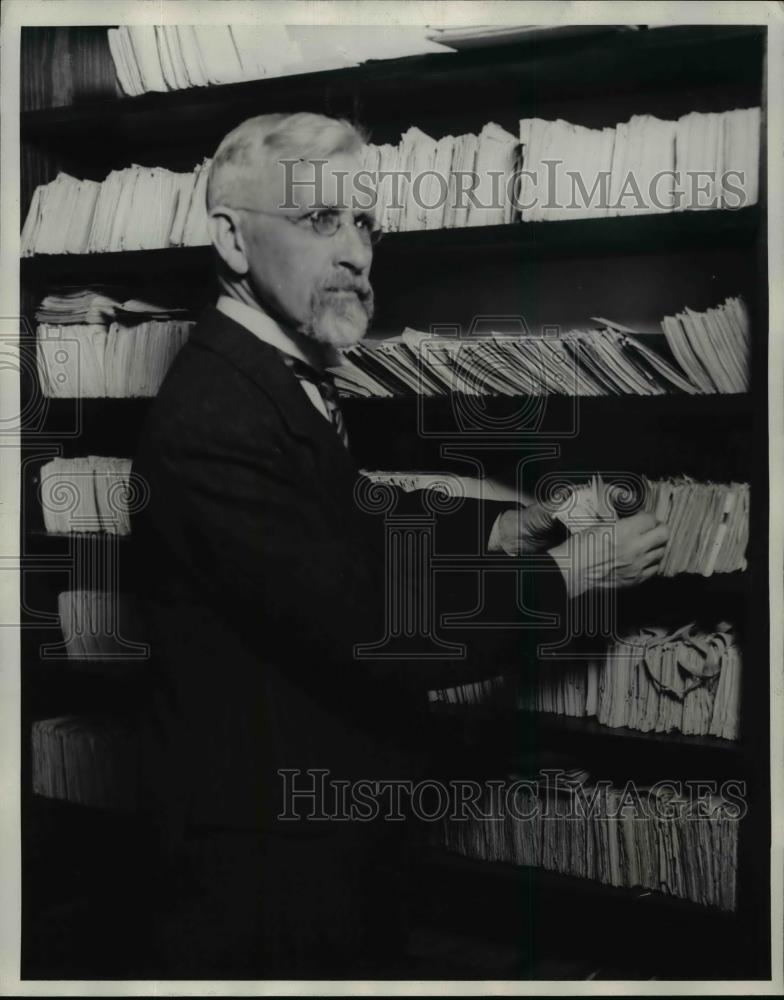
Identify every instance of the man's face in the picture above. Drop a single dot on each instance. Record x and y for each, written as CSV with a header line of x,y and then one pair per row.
x,y
317,283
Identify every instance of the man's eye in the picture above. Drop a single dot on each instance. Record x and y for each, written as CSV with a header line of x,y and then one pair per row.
x,y
363,222
323,215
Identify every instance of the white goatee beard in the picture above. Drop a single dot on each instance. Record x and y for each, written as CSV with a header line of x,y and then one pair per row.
x,y
338,321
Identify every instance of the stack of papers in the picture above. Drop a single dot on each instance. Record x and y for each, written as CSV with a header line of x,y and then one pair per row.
x,y
712,348
653,680
60,216
708,522
175,57
98,624
87,494
448,484
708,525
89,361
138,208
711,353
569,172
676,846
724,148
584,155
91,762
97,306
456,181
639,167
596,362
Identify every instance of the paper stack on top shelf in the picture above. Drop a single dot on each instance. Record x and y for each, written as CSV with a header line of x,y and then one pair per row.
x,y
160,58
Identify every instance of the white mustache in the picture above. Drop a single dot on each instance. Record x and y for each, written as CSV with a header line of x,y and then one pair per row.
x,y
361,288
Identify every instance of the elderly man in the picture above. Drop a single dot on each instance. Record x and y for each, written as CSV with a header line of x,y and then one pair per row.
x,y
264,574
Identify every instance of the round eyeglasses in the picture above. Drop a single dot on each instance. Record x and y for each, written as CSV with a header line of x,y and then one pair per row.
x,y
327,221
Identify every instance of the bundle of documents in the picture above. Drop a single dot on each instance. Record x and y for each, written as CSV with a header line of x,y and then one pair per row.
x,y
175,57
88,361
713,347
137,208
642,166
708,523
87,494
91,762
98,624
91,306
722,149
681,847
60,216
710,350
435,195
448,484
653,680
598,362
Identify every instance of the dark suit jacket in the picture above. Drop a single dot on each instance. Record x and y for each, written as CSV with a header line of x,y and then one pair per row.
x,y
261,574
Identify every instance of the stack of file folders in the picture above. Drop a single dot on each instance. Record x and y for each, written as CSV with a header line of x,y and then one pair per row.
x,y
89,494
89,361
712,348
645,165
72,216
438,200
424,183
175,57
100,305
678,847
653,680
99,624
708,523
87,761
703,353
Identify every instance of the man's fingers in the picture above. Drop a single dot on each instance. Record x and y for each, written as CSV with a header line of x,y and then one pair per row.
x,y
642,521
655,537
649,571
653,556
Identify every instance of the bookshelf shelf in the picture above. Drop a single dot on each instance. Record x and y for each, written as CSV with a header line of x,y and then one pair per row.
x,y
665,59
646,234
628,429
525,738
539,880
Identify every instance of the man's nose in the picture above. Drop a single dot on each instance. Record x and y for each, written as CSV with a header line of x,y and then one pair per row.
x,y
352,250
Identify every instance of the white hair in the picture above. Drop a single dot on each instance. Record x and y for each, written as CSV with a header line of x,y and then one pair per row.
x,y
270,138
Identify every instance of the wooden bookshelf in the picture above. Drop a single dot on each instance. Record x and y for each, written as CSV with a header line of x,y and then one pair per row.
x,y
641,235
663,60
489,734
595,81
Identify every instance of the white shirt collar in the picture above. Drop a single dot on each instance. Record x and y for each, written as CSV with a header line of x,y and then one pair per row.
x,y
260,325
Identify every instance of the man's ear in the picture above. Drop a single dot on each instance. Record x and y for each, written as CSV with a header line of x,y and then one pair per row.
x,y
228,239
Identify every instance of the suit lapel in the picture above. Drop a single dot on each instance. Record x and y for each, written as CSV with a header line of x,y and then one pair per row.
x,y
262,364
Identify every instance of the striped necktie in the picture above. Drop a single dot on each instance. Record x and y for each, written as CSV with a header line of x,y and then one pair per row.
x,y
325,384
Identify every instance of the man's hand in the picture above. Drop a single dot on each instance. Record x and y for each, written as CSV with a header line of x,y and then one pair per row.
x,y
522,531
621,554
